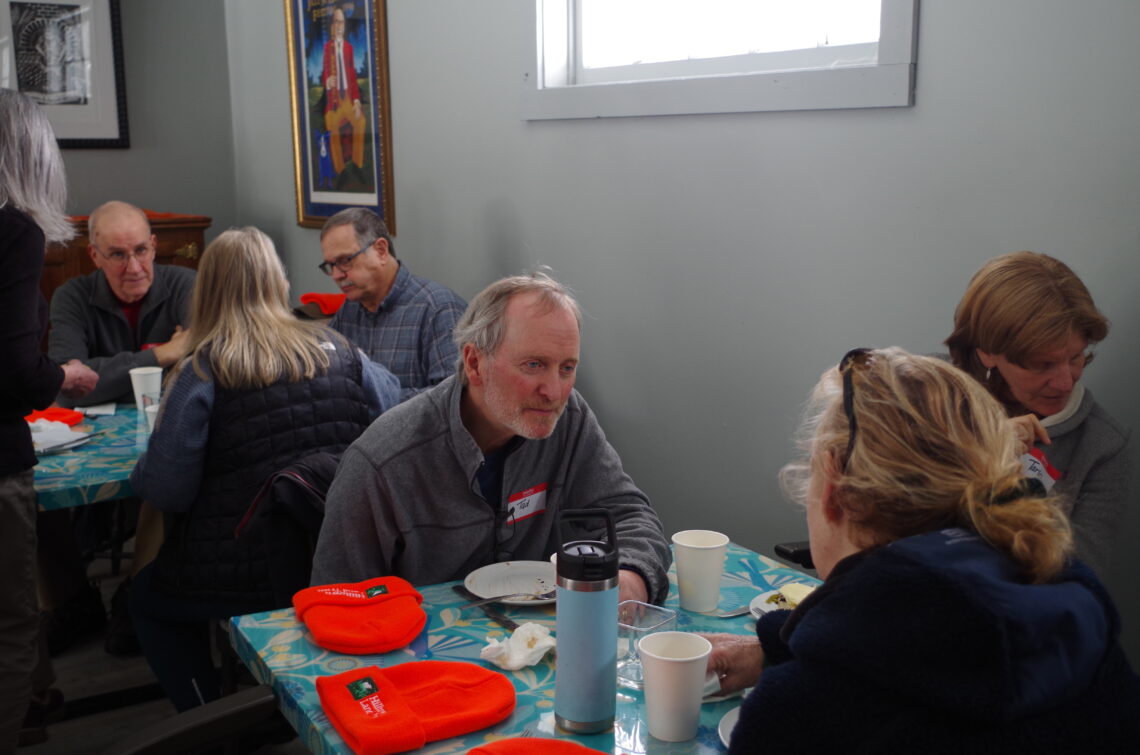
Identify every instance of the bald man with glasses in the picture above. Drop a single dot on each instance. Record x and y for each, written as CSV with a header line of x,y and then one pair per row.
x,y
128,313
400,321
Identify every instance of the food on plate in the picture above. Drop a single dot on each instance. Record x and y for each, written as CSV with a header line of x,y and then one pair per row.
x,y
790,595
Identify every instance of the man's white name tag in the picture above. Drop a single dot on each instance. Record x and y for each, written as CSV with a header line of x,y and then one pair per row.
x,y
527,503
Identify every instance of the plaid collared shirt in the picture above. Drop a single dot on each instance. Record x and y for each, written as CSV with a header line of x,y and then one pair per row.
x,y
410,333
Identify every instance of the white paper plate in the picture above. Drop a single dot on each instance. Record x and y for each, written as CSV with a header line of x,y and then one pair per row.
x,y
59,448
513,576
726,725
760,605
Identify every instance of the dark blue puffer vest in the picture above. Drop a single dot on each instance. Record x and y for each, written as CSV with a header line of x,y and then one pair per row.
x,y
252,435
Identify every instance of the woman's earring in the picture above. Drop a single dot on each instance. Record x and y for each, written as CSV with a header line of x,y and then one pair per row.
x,y
988,371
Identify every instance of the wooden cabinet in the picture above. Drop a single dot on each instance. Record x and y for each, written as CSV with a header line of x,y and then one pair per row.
x,y
179,237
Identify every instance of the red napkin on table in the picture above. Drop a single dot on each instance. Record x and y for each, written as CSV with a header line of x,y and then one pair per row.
x,y
68,417
380,711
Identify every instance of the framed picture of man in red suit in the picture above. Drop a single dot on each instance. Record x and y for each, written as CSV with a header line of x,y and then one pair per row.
x,y
338,82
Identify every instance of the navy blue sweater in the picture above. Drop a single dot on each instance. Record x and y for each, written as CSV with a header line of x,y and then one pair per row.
x,y
934,644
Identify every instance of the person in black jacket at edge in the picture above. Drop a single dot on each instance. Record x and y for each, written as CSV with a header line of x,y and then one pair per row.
x,y
952,618
33,193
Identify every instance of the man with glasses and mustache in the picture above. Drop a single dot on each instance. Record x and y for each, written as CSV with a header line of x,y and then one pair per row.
x,y
128,313
476,470
400,321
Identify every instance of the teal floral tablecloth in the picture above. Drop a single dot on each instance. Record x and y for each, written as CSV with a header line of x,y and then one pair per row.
x,y
99,469
279,651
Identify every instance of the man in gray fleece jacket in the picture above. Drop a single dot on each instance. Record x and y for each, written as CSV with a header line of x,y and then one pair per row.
x,y
475,470
128,313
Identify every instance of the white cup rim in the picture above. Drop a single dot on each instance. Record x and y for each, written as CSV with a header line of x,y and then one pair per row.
x,y
706,646
721,539
144,370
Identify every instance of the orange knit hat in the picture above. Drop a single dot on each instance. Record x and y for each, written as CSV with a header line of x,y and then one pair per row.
x,y
530,745
328,303
373,616
403,707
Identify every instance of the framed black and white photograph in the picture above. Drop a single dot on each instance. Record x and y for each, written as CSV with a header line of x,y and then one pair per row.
x,y
338,84
68,57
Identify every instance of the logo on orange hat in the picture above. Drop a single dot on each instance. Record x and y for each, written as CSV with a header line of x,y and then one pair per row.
x,y
365,692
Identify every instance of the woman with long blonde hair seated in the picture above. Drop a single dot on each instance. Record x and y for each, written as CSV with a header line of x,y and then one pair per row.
x,y
951,617
258,391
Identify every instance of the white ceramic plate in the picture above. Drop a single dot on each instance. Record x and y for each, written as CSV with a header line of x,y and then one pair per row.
x,y
513,576
760,605
726,725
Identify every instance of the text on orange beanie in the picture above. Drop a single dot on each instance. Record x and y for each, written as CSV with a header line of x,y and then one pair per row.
x,y
530,745
373,616
380,711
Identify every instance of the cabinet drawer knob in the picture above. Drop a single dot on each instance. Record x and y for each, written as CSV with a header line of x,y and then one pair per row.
x,y
189,251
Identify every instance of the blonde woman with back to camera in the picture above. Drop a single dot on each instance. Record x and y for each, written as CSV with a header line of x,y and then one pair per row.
x,y
951,617
258,391
1024,329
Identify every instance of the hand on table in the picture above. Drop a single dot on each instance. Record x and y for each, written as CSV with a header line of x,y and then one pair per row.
x,y
631,586
78,379
736,658
1029,430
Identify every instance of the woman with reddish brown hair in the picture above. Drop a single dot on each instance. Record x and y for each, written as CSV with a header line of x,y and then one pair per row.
x,y
1024,329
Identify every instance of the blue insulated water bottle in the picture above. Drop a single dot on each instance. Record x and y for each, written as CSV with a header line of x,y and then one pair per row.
x,y
585,683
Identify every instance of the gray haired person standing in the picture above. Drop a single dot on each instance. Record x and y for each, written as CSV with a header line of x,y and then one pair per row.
x,y
33,191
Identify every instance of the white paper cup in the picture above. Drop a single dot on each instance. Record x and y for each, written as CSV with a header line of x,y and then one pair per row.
x,y
151,416
145,380
674,666
700,561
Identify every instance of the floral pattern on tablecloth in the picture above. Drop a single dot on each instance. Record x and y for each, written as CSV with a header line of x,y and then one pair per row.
x,y
279,651
99,469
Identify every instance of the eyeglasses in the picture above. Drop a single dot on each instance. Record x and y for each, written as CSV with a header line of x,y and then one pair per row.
x,y
344,264
122,258
853,358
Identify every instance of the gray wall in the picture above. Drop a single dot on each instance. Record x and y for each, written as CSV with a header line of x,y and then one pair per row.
x,y
725,261
178,108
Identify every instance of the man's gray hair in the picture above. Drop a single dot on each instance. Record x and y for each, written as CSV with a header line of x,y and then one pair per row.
x,y
483,324
32,177
367,225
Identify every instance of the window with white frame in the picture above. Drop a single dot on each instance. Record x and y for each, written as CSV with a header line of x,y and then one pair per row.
x,y
598,58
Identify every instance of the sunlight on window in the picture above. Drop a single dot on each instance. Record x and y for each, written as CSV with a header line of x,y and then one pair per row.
x,y
630,32
620,58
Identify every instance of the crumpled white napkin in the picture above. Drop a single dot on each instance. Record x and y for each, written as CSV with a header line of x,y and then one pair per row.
x,y
48,434
524,647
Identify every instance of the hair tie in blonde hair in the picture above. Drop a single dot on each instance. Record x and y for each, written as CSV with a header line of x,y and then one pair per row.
x,y
1029,487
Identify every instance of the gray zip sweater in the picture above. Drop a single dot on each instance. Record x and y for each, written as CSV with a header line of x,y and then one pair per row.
x,y
405,500
1090,449
87,324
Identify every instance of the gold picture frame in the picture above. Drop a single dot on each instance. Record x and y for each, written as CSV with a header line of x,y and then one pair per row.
x,y
342,120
